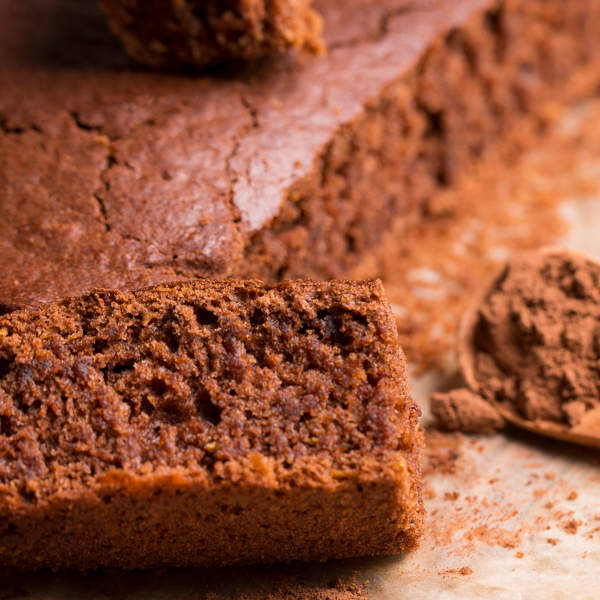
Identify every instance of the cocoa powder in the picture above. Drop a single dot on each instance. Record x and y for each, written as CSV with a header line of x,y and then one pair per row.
x,y
442,452
462,410
537,337
536,345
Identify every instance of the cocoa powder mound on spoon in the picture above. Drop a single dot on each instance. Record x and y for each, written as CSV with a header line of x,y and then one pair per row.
x,y
531,346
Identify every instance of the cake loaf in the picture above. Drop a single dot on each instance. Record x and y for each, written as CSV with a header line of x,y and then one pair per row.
x,y
121,178
206,423
199,33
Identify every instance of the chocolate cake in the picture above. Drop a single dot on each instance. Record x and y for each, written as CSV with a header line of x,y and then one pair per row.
x,y
121,178
169,34
206,423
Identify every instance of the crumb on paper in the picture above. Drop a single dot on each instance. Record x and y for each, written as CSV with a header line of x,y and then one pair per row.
x,y
462,571
442,452
590,534
571,526
451,496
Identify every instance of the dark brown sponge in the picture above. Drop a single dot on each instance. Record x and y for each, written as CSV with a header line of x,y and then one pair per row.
x,y
206,423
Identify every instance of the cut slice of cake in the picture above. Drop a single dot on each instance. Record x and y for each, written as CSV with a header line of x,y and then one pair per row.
x,y
206,423
199,33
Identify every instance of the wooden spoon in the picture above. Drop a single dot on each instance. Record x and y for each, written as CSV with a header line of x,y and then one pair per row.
x,y
586,433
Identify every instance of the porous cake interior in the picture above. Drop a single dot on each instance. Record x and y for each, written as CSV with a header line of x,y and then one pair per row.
x,y
193,374
200,32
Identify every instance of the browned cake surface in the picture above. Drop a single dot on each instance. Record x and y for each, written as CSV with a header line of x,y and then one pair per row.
x,y
171,33
206,423
119,178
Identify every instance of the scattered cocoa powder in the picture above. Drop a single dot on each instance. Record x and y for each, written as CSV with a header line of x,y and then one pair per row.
x,y
496,535
571,526
441,265
442,450
590,534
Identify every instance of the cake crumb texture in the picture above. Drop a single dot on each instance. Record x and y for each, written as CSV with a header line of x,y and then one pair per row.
x,y
198,33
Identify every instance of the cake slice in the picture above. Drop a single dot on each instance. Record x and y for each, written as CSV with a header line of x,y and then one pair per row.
x,y
198,33
206,423
116,177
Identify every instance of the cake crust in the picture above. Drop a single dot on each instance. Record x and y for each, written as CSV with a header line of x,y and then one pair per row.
x,y
206,423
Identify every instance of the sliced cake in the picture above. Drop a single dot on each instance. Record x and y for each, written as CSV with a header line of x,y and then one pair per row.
x,y
206,423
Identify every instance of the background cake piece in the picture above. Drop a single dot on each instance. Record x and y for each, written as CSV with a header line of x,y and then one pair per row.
x,y
120,178
173,33
206,423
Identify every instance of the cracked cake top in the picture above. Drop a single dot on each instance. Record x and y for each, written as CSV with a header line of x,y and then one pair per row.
x,y
117,177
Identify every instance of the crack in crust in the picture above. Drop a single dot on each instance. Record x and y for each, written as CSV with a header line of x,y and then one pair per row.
x,y
16,130
383,26
110,162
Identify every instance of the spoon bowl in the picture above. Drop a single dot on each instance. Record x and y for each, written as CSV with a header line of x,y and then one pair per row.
x,y
586,432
